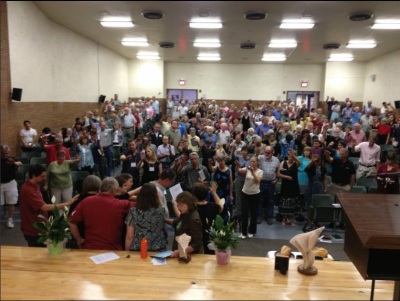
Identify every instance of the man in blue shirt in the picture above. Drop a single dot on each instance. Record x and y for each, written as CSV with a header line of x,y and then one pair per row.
x,y
263,127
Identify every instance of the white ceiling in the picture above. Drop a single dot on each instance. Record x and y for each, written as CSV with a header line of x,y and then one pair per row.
x,y
331,17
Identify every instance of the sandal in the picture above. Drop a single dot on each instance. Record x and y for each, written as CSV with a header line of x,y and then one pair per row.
x,y
293,223
283,221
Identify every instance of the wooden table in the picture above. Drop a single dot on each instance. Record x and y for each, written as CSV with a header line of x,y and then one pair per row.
x,y
29,273
372,239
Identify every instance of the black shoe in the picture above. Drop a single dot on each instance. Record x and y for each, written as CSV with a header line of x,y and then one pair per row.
x,y
259,220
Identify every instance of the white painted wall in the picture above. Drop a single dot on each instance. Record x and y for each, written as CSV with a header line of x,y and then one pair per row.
x,y
52,63
386,86
146,78
344,79
244,81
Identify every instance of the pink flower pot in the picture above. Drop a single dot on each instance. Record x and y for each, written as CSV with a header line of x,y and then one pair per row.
x,y
223,257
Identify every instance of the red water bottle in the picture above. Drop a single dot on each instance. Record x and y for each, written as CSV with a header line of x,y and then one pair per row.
x,y
143,248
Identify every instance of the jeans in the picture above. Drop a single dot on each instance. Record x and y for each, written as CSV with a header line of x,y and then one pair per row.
x,y
109,156
267,190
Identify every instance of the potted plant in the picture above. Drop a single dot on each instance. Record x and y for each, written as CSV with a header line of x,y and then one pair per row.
x,y
223,239
54,230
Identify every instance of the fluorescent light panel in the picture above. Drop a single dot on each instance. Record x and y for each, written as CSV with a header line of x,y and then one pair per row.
x,y
386,24
148,55
361,44
135,42
283,44
274,57
117,23
209,43
209,58
205,23
341,57
297,24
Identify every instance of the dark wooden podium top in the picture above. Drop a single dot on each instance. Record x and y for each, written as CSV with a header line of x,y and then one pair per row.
x,y
374,217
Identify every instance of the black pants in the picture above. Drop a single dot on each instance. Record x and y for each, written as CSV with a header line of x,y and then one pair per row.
x,y
249,203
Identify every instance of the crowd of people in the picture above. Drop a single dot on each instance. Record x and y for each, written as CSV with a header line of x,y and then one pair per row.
x,y
227,158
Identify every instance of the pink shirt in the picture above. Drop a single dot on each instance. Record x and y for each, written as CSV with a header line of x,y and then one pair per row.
x,y
360,137
369,155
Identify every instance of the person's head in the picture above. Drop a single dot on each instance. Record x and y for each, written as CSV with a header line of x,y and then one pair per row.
x,y
254,162
165,140
391,157
200,191
192,131
61,156
341,144
132,146
103,125
91,184
150,153
208,142
221,160
58,141
384,121
244,151
194,159
83,140
148,197
186,202
289,137
174,124
167,178
27,125
357,127
5,151
157,127
109,185
343,154
125,182
37,173
316,159
371,141
250,131
307,152
272,137
268,151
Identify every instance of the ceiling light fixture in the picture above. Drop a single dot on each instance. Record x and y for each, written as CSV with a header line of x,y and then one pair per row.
x,y
248,45
386,24
166,45
303,23
255,15
152,15
117,22
361,44
360,16
331,46
283,44
205,23
341,57
135,42
207,43
208,57
274,57
148,56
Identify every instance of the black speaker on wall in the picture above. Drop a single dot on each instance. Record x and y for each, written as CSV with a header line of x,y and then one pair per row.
x,y
16,94
397,104
102,98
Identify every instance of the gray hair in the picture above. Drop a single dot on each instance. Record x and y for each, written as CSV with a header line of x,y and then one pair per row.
x,y
108,184
5,147
91,183
194,154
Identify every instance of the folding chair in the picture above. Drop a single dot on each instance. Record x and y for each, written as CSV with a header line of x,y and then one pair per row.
x,y
367,182
358,189
324,211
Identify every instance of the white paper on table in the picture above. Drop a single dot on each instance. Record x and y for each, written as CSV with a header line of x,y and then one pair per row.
x,y
336,205
159,261
175,190
102,258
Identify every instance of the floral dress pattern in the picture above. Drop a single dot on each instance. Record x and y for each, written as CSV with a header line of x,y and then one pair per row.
x,y
290,191
149,224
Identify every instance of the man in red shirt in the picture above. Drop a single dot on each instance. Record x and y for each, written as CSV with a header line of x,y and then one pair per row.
x,y
103,216
31,204
52,150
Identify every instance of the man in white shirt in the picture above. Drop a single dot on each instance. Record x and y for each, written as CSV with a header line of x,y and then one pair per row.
x,y
165,153
128,125
370,154
182,109
28,137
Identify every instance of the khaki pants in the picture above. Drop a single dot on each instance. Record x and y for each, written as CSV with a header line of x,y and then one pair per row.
x,y
333,189
364,171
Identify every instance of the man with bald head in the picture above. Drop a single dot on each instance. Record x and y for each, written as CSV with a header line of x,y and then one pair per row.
x,y
52,149
269,164
366,122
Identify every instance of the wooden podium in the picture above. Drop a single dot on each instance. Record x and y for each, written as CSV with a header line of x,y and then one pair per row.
x,y
372,237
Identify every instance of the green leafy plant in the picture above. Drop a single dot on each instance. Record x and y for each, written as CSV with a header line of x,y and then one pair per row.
x,y
54,229
223,236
